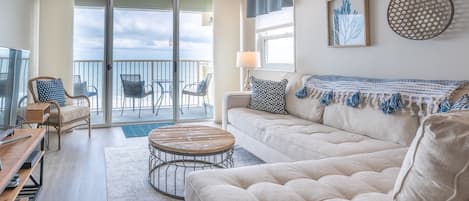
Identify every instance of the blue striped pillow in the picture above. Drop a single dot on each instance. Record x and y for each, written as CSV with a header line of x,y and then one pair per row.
x,y
51,90
461,104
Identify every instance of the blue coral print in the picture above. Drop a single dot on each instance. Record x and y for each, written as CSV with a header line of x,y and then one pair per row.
x,y
348,25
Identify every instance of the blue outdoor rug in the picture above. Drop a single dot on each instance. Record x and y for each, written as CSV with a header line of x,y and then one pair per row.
x,y
141,130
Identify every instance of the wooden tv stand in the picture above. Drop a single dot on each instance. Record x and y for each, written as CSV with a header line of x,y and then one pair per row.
x,y
13,156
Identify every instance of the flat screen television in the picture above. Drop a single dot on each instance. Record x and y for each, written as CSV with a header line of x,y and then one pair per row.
x,y
14,65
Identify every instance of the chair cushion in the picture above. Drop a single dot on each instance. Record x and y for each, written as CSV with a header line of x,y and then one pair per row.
x,y
306,108
202,86
80,89
366,177
69,113
268,95
134,89
192,92
51,90
437,164
398,128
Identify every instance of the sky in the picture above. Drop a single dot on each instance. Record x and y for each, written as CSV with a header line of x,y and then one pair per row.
x,y
140,34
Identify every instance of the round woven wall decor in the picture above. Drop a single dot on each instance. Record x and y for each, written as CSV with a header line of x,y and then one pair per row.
x,y
420,19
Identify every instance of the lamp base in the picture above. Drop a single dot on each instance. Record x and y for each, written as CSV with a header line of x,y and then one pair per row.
x,y
247,81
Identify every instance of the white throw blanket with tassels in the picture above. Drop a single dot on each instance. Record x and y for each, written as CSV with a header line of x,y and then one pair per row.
x,y
426,95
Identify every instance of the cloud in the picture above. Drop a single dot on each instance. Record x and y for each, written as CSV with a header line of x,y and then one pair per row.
x,y
142,29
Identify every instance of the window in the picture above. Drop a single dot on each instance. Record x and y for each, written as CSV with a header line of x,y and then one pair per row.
x,y
275,40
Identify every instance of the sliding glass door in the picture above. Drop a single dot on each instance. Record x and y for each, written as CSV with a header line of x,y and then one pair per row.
x,y
195,65
89,55
153,59
142,61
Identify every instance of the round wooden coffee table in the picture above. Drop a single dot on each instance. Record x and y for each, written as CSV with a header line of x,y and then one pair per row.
x,y
175,151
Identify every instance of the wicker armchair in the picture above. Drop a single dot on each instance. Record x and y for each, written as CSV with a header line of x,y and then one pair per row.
x,y
75,112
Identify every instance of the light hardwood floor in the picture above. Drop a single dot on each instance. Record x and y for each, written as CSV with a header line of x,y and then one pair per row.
x,y
77,172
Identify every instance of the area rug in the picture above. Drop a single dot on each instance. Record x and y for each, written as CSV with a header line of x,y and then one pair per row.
x,y
127,172
142,130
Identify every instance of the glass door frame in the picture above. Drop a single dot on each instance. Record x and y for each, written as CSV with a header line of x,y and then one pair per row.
x,y
108,61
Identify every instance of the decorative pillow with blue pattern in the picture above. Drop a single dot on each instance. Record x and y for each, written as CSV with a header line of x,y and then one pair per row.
x,y
51,90
202,86
268,96
80,89
461,104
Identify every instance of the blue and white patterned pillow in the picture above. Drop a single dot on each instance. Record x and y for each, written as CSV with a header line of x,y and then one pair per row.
x,y
268,96
80,89
202,86
461,104
51,90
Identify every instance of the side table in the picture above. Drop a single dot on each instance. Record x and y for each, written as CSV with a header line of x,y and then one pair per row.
x,y
39,113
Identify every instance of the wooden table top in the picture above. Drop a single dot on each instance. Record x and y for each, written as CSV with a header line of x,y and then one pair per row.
x,y
191,139
14,154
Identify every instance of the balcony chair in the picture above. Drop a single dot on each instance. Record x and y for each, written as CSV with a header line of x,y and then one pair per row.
x,y
67,112
134,87
198,89
3,89
82,89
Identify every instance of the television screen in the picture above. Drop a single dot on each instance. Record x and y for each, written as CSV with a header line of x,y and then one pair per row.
x,y
14,65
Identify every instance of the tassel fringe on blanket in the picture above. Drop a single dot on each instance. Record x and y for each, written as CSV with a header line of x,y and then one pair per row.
x,y
422,97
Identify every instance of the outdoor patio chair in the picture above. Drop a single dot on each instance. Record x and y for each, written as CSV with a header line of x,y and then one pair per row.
x,y
133,87
83,89
67,112
198,89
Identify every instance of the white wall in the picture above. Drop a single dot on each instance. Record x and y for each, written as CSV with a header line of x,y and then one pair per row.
x,y
56,40
389,56
226,44
19,22
16,22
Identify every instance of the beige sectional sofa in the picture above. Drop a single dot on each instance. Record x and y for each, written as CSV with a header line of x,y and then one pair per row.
x,y
360,154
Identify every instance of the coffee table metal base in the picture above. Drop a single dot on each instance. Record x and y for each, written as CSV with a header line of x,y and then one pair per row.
x,y
168,170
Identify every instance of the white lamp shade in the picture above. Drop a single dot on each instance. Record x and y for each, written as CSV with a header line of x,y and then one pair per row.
x,y
248,60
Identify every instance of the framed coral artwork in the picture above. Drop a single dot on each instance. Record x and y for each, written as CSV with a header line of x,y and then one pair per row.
x,y
348,24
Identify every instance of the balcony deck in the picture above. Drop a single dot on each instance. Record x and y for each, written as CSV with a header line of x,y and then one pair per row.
x,y
165,114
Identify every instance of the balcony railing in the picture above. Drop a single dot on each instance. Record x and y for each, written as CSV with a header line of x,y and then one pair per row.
x,y
91,71
4,69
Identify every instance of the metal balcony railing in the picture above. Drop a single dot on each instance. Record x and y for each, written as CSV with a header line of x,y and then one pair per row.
x,y
23,73
91,71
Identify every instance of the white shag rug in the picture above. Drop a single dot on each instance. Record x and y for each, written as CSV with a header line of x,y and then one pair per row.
x,y
127,172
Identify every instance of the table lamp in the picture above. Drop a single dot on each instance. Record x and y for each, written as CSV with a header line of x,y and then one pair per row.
x,y
248,61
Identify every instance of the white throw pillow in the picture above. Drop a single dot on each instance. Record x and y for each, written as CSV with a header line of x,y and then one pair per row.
x,y
436,167
398,127
307,108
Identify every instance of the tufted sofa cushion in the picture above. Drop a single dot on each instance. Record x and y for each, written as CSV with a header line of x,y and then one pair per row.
x,y
300,139
317,141
366,177
254,122
437,164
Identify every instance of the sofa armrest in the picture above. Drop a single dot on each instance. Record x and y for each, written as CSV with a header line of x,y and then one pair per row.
x,y
234,100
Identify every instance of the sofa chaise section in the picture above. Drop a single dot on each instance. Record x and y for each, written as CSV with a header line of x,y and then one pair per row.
x,y
363,177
